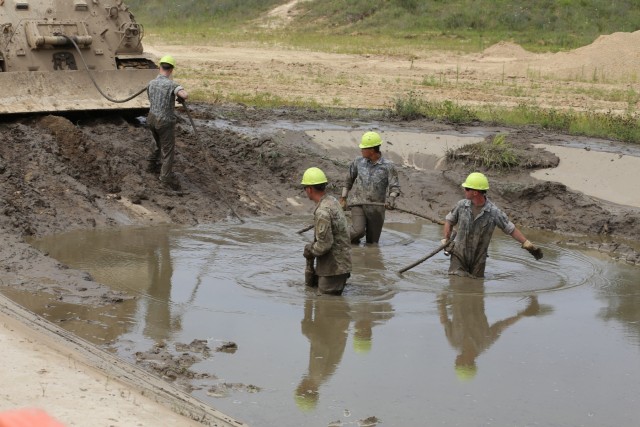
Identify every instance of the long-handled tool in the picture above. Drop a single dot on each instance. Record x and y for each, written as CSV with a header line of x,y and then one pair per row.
x,y
193,125
310,277
429,255
434,220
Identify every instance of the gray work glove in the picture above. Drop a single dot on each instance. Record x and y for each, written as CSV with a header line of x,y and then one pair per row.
x,y
533,250
307,251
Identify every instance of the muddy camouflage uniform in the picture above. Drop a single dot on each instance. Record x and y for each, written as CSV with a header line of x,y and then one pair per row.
x,y
161,120
469,255
331,246
368,182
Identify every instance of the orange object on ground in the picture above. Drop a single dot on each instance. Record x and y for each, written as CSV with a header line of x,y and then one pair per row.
x,y
27,418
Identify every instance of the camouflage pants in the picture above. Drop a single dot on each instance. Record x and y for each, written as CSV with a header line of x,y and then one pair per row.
x,y
163,149
461,267
366,220
332,285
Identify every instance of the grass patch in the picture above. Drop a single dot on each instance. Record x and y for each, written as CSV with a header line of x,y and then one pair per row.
x,y
411,107
496,154
269,100
625,127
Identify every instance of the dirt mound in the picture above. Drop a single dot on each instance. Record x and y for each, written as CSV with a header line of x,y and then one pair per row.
x,y
506,51
612,57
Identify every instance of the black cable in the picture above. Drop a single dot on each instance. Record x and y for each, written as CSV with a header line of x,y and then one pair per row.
x,y
118,101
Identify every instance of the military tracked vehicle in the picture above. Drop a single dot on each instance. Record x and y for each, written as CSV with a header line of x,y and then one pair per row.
x,y
71,55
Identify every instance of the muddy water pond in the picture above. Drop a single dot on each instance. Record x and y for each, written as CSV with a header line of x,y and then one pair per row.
x,y
545,343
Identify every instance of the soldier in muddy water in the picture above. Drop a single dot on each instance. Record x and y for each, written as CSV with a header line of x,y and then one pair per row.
x,y
330,248
476,217
369,179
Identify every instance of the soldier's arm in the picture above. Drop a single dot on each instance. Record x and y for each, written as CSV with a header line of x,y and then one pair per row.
x,y
324,235
394,182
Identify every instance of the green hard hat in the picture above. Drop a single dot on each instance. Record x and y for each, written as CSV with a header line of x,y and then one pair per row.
x,y
168,59
370,140
476,181
313,176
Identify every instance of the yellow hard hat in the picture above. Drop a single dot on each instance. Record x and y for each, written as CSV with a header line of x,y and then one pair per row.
x,y
313,176
476,181
306,402
361,345
370,139
168,59
466,373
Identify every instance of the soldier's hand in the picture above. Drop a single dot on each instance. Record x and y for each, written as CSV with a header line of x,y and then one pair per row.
x,y
343,202
180,100
532,249
449,246
391,203
307,251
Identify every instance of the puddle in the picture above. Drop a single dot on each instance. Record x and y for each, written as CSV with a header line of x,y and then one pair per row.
x,y
606,175
551,342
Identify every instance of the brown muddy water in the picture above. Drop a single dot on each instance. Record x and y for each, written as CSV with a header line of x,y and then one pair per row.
x,y
554,342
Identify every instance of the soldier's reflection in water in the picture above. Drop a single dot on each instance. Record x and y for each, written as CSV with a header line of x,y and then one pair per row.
x,y
325,323
366,315
158,323
462,313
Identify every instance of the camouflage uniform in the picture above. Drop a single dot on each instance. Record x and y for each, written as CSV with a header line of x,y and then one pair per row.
x,y
161,120
368,183
469,255
331,246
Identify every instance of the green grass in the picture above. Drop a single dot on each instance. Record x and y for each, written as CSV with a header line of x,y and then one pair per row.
x,y
407,30
625,127
381,26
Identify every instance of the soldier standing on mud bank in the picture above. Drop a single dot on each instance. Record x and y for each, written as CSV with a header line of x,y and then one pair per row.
x,y
162,92
330,248
368,179
476,217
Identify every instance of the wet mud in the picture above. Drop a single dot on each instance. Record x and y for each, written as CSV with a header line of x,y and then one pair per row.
x,y
75,173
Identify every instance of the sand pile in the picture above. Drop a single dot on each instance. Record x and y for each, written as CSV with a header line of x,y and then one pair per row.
x,y
506,51
610,58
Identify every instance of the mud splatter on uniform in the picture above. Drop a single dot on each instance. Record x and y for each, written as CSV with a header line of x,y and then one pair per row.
x,y
331,246
162,92
368,182
473,236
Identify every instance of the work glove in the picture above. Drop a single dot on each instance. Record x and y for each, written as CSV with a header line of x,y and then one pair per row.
x,y
391,203
180,100
307,251
533,308
533,250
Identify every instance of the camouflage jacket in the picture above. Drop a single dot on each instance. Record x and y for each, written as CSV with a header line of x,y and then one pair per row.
x,y
162,93
474,234
331,247
368,181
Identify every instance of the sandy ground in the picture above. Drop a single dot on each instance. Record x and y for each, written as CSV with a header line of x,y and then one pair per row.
x,y
58,174
599,77
42,374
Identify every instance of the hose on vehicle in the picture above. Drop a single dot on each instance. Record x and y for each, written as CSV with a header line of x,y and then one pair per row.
x,y
118,101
